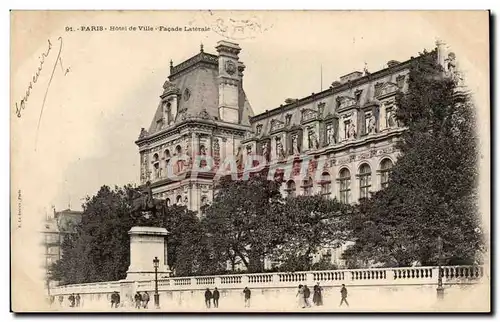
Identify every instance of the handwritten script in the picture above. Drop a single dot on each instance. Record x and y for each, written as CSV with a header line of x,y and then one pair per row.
x,y
21,105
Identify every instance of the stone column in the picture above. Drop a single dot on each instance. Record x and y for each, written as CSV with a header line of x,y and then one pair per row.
x,y
381,117
209,147
223,149
146,243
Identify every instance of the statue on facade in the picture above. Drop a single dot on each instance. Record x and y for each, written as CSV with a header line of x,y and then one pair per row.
x,y
372,125
295,144
351,133
280,152
330,134
265,151
313,140
392,120
239,158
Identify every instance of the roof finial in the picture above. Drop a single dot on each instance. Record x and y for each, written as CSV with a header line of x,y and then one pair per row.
x,y
365,69
171,63
201,47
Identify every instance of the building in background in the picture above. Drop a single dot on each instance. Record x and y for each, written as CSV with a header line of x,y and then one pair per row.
x,y
56,227
346,133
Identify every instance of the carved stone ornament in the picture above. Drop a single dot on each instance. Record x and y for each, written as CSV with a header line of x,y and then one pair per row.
x,y
230,67
187,94
204,114
170,88
143,133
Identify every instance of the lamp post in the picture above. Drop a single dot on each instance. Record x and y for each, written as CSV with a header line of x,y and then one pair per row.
x,y
440,289
156,262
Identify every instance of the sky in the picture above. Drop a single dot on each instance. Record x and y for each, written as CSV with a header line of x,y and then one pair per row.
x,y
94,112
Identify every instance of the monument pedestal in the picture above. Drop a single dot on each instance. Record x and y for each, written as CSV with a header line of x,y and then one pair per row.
x,y
146,243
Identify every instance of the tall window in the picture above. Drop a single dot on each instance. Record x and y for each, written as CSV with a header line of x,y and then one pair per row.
x,y
308,184
326,184
365,180
385,169
167,158
347,123
344,185
290,188
156,165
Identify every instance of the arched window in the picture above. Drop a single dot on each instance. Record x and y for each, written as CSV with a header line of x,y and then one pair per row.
x,y
178,150
344,185
156,165
167,157
385,169
307,186
179,200
326,184
365,180
290,188
204,200
167,202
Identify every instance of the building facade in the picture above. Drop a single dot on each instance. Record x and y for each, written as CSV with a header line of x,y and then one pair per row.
x,y
56,227
339,143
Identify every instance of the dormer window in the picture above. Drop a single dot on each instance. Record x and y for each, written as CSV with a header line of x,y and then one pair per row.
x,y
357,95
259,129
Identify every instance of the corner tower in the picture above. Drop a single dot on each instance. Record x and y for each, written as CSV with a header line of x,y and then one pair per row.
x,y
229,81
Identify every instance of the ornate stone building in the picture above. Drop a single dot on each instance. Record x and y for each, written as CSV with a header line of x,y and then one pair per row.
x,y
203,111
339,142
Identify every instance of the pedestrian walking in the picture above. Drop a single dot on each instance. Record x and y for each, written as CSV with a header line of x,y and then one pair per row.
x,y
77,298
71,300
208,298
300,295
307,294
61,300
145,299
318,296
115,299
216,296
343,294
247,293
137,300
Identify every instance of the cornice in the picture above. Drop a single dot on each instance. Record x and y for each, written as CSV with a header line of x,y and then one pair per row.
x,y
202,57
210,125
335,90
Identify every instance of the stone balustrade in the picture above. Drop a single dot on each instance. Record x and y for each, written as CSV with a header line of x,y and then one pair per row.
x,y
369,289
349,277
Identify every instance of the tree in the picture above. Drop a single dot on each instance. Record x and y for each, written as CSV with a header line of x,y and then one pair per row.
x,y
433,186
316,223
245,221
100,249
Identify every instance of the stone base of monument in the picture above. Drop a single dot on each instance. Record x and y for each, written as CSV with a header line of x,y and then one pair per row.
x,y
146,243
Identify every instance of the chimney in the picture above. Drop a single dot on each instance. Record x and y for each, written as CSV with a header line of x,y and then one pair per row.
x,y
229,79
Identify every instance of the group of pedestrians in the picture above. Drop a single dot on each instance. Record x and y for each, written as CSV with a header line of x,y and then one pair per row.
x,y
209,296
141,300
304,293
215,295
74,300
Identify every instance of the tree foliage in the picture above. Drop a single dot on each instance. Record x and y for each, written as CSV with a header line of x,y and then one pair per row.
x,y
246,221
100,249
314,222
433,186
